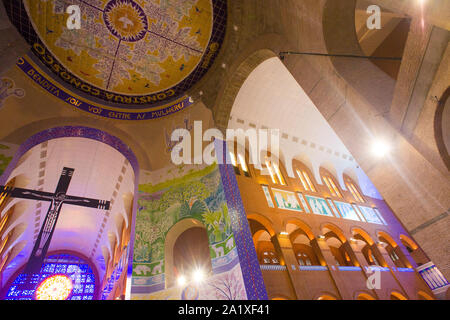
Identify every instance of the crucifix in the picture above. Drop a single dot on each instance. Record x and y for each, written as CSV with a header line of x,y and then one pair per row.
x,y
57,200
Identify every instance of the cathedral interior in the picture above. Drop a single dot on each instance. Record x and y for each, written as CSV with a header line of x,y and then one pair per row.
x,y
224,150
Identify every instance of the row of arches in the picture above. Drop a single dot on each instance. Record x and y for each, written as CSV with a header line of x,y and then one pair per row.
x,y
307,251
394,295
187,249
273,171
12,228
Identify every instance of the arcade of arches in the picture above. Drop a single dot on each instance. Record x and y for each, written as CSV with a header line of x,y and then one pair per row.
x,y
93,204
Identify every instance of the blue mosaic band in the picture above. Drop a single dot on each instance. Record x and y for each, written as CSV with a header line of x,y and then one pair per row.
x,y
251,272
58,91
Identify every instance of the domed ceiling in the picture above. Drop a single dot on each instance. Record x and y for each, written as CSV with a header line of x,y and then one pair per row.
x,y
137,53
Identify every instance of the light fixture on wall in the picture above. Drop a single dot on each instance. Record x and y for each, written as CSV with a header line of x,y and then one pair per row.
x,y
382,244
181,281
284,233
353,240
380,148
198,276
321,237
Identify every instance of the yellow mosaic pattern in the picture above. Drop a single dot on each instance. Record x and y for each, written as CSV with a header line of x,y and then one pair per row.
x,y
130,47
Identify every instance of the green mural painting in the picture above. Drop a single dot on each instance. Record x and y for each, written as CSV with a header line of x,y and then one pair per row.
x,y
4,160
198,195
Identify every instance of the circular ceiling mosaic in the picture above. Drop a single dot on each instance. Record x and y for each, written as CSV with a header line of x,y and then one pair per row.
x,y
129,52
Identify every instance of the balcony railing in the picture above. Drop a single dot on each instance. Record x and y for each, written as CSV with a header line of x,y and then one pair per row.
x,y
312,268
432,276
272,267
377,268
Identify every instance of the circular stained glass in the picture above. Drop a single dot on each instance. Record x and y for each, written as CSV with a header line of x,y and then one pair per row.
x,y
57,287
53,276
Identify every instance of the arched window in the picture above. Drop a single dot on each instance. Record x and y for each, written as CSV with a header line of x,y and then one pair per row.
x,y
339,247
397,296
265,248
239,163
370,258
415,252
365,296
268,256
300,236
424,296
191,253
394,251
332,185
305,180
326,297
239,157
354,190
274,171
62,277
370,251
395,258
303,255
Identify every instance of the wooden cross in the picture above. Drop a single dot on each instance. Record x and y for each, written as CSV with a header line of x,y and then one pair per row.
x,y
56,199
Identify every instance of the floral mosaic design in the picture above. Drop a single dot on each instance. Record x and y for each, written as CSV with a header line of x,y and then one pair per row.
x,y
198,195
201,198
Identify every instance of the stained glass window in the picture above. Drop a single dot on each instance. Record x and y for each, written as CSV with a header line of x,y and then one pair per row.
x,y
268,197
355,192
306,181
275,173
74,268
332,187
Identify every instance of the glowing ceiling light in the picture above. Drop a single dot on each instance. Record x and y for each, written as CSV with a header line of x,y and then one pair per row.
x,y
181,281
57,287
380,148
198,276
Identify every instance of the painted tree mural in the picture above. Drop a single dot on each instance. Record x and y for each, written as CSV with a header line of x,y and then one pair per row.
x,y
198,195
228,286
